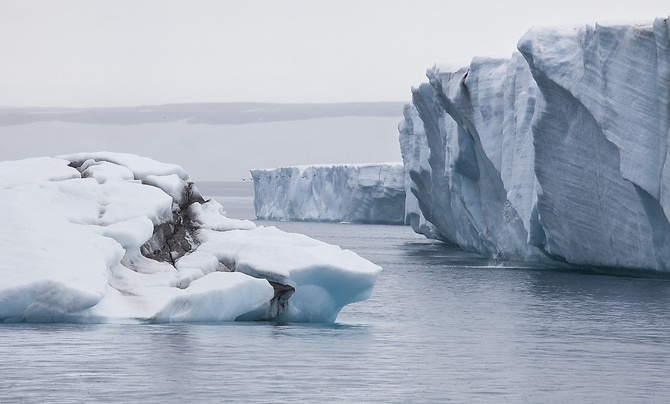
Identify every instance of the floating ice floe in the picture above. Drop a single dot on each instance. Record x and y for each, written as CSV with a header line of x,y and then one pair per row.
x,y
97,237
361,193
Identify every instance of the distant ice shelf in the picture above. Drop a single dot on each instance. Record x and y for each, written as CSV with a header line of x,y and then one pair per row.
x,y
560,153
361,193
100,237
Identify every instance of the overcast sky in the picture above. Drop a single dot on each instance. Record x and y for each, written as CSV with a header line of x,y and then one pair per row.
x,y
84,53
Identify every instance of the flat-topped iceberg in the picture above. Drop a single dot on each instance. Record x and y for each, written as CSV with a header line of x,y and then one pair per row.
x,y
559,153
98,237
362,193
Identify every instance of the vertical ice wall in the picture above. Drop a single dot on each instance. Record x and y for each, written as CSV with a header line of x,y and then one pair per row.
x,y
468,152
559,152
601,142
372,193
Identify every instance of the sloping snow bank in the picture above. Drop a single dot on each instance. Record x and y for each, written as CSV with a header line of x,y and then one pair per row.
x,y
100,237
362,193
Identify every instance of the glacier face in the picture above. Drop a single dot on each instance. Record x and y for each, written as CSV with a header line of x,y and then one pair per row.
x,y
97,237
558,153
362,193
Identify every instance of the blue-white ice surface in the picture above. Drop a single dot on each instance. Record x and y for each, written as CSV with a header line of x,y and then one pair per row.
x,y
559,153
363,193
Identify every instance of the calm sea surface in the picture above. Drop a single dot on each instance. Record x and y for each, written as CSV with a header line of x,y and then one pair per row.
x,y
442,325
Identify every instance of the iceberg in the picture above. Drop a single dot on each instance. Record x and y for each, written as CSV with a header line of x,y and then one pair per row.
x,y
558,154
100,237
361,193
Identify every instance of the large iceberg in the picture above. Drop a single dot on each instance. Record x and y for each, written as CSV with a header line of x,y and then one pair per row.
x,y
362,193
559,153
99,237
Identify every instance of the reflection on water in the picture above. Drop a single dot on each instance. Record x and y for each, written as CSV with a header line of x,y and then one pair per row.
x,y
441,325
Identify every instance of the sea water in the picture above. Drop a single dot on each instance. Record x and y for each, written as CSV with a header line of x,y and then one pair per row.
x,y
442,325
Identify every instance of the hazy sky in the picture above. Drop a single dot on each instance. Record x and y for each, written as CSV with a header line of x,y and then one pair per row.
x,y
83,53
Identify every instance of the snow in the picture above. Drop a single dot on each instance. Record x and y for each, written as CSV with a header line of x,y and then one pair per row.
x,y
558,153
141,167
99,237
365,193
218,297
34,170
211,215
298,261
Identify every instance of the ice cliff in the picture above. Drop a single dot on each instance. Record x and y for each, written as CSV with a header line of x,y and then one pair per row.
x,y
100,237
559,153
364,193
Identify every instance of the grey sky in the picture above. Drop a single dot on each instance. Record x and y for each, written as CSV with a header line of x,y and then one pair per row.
x,y
83,53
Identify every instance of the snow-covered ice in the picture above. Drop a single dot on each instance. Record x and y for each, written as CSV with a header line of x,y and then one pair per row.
x,y
97,237
559,153
362,193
